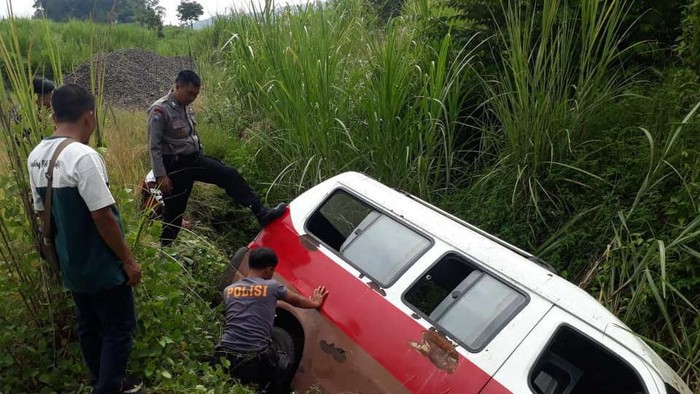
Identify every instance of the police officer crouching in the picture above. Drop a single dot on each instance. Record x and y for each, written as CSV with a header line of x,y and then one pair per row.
x,y
250,306
43,88
178,160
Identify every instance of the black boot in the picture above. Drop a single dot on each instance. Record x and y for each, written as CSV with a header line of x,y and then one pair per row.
x,y
131,385
266,215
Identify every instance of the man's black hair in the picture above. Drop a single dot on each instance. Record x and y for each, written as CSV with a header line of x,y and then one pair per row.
x,y
70,102
42,85
188,77
261,258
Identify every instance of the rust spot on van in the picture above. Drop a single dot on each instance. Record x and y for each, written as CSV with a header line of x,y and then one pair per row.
x,y
308,242
337,353
438,349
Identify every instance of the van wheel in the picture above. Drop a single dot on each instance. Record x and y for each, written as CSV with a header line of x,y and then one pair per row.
x,y
284,344
227,277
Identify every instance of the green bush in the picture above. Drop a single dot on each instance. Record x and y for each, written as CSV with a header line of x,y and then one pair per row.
x,y
689,47
39,352
604,235
176,328
559,68
295,96
331,95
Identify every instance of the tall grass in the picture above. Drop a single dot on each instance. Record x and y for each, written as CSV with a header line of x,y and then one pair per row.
x,y
292,66
38,351
640,278
37,285
22,125
127,154
560,64
339,97
638,282
411,108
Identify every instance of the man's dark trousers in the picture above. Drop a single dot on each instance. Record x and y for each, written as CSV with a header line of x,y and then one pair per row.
x,y
106,323
260,368
183,170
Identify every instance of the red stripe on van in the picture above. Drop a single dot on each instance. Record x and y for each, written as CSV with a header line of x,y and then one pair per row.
x,y
377,326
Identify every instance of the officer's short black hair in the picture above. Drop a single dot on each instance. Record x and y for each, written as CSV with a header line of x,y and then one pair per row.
x,y
70,102
261,258
42,85
188,77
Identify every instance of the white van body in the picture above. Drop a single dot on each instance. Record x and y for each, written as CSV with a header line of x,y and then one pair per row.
x,y
445,307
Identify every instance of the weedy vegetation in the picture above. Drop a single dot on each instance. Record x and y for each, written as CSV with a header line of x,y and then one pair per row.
x,y
547,123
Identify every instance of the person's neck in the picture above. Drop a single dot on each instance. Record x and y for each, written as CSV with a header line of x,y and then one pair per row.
x,y
255,274
173,97
68,130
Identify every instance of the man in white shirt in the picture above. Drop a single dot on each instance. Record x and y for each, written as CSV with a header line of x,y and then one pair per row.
x,y
96,264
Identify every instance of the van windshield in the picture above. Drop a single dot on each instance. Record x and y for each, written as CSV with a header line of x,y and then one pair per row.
x,y
376,244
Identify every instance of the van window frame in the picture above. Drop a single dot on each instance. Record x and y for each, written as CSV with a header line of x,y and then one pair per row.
x,y
382,211
579,332
479,266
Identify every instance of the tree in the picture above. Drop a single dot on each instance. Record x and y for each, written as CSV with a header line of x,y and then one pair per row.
x,y
387,9
151,16
654,21
123,11
189,11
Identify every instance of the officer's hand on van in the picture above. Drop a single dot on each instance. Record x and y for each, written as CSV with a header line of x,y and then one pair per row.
x,y
164,184
319,296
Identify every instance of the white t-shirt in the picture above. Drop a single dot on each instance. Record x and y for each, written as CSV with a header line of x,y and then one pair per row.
x,y
78,166
79,185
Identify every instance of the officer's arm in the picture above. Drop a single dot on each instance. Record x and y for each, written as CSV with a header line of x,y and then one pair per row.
x,y
313,302
156,127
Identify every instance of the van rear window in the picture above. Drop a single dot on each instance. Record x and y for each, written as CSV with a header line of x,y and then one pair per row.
x,y
460,299
374,243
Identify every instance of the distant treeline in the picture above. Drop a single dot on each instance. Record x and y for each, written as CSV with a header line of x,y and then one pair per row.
x,y
125,11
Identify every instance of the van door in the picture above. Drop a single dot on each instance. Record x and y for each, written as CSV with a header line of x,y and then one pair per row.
x,y
483,315
565,355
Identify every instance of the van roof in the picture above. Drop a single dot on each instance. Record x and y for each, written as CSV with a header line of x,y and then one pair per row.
x,y
500,257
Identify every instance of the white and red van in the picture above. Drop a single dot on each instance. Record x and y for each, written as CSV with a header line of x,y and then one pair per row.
x,y
423,302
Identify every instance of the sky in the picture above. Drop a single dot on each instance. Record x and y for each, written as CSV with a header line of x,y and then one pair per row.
x,y
24,8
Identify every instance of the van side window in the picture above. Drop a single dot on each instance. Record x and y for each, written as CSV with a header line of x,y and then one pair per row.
x,y
573,364
469,304
377,245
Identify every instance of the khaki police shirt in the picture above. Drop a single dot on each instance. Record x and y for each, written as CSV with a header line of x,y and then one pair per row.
x,y
250,313
171,131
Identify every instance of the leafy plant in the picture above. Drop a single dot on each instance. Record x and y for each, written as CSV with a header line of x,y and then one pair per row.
x,y
559,67
338,98
651,279
38,345
689,47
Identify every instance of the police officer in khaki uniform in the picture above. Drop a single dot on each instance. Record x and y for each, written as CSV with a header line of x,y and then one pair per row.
x,y
178,160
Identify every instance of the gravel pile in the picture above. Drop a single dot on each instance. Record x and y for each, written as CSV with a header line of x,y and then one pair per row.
x,y
133,78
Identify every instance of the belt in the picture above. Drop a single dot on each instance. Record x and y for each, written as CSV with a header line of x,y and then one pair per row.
x,y
244,353
182,158
239,358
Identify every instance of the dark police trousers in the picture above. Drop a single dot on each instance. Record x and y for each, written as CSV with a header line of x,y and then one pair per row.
x,y
183,170
260,369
